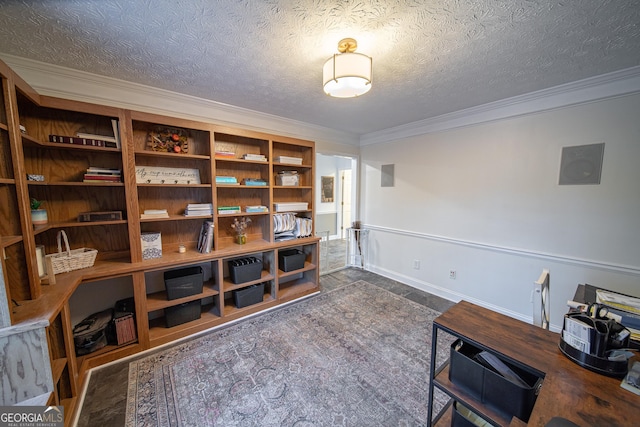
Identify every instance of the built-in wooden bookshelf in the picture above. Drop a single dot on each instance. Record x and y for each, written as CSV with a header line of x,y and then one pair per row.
x,y
65,195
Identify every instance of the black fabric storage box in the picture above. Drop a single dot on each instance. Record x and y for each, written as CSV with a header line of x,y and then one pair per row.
x,y
290,259
243,270
183,282
249,295
458,419
490,387
182,313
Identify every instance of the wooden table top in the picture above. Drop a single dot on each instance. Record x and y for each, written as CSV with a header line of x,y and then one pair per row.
x,y
569,390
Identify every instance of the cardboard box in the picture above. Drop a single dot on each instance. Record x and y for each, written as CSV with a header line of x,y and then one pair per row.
x,y
151,245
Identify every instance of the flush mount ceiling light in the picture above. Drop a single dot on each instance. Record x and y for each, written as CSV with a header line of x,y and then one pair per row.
x,y
347,74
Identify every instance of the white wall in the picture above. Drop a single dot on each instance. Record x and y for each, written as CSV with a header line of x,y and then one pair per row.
x,y
484,200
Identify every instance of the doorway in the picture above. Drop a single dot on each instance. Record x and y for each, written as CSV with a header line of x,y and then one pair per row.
x,y
336,208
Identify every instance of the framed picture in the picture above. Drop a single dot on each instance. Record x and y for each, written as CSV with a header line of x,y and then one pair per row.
x,y
327,189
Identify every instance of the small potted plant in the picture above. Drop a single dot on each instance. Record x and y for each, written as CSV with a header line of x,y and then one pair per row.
x,y
38,216
240,227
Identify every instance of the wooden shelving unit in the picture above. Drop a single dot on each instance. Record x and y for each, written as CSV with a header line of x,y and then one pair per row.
x,y
65,195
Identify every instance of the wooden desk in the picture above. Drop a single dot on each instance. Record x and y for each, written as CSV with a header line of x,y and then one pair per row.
x,y
569,391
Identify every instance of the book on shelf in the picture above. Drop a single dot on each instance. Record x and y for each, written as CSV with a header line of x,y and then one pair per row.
x,y
289,160
254,182
74,140
227,210
255,157
291,206
226,180
154,213
205,240
631,381
225,154
199,209
115,125
94,178
256,208
93,170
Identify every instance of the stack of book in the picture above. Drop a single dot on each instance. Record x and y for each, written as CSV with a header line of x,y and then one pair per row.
x,y
225,154
205,241
154,213
227,180
95,174
255,157
256,208
199,209
255,182
289,160
228,210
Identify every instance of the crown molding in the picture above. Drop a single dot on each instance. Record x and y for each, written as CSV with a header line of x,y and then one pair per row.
x,y
610,85
67,83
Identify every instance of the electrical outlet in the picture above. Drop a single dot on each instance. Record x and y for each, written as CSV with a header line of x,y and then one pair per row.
x,y
452,274
416,264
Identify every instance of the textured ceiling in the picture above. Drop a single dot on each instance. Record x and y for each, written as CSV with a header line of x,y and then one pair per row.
x,y
429,57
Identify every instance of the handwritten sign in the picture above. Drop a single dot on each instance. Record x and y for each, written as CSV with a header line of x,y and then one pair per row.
x,y
159,175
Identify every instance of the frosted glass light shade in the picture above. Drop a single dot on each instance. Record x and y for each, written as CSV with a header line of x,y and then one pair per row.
x,y
347,75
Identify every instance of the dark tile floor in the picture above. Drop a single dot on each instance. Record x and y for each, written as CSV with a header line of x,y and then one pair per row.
x,y
105,399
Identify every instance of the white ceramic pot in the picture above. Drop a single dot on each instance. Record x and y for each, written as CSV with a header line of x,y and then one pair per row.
x,y
39,216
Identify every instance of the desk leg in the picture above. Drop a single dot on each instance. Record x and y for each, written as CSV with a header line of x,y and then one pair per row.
x,y
432,373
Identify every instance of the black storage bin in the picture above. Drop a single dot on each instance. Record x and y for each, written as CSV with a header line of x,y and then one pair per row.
x,y
290,259
182,313
246,269
457,417
249,295
490,387
183,282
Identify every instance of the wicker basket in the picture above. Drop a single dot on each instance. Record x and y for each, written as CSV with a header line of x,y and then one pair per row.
x,y
70,260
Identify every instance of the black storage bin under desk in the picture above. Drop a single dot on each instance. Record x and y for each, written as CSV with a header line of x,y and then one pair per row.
x,y
183,282
290,259
182,313
490,387
249,295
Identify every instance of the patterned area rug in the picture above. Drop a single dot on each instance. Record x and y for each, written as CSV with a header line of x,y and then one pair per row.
x,y
355,356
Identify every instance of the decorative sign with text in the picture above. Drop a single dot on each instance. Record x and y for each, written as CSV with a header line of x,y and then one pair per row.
x,y
159,175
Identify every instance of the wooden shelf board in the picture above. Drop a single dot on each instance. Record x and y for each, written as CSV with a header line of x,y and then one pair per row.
x,y
228,285
177,218
307,266
4,126
296,289
69,405
149,153
9,240
57,367
158,300
292,187
230,309
33,141
289,165
106,354
139,184
7,181
74,184
159,334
